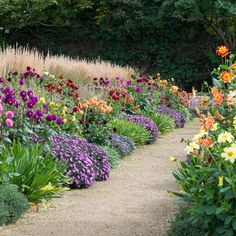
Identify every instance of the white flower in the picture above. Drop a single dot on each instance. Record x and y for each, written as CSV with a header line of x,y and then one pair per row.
x,y
225,137
192,147
46,73
229,154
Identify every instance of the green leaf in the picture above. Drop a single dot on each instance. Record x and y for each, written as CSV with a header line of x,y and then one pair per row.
x,y
217,83
210,210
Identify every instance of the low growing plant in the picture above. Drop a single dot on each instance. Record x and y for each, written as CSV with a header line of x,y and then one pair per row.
x,y
113,156
133,130
12,204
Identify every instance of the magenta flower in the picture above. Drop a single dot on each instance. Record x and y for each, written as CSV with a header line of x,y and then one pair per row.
x,y
21,82
48,118
2,80
59,121
30,104
137,89
9,114
9,122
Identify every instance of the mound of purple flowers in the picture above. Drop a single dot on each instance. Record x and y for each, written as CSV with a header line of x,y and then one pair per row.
x,y
86,162
147,123
177,116
122,144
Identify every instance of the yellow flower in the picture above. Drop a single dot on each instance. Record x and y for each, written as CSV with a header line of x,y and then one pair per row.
x,y
234,122
63,113
73,118
221,181
215,126
229,154
47,187
174,89
172,159
42,100
192,147
200,135
65,109
225,137
65,121
52,104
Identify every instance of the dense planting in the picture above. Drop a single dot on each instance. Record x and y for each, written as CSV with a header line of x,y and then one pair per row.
x,y
208,174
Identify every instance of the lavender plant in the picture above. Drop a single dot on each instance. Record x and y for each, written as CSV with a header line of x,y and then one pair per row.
x,y
86,162
147,123
177,116
122,144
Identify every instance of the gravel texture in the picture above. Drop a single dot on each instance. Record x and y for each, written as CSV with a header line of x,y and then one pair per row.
x,y
134,201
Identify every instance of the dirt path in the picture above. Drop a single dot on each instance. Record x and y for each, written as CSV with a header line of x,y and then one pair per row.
x,y
133,202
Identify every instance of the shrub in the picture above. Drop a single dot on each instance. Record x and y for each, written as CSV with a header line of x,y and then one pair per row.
x,y
122,144
12,204
181,225
147,123
164,123
113,156
38,176
133,130
85,162
177,116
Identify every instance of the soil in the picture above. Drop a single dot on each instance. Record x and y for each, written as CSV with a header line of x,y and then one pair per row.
x,y
134,201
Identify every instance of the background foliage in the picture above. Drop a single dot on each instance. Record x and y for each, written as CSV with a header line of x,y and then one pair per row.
x,y
135,32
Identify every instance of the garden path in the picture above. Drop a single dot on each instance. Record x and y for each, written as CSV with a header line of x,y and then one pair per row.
x,y
133,202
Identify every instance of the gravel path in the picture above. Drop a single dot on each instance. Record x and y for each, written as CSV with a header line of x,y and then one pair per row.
x,y
133,202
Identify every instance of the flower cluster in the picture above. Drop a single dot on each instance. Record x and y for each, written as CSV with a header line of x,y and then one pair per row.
x,y
85,162
122,144
177,116
147,123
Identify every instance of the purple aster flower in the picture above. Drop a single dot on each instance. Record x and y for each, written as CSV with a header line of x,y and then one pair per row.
x,y
53,117
21,82
39,113
59,121
34,99
30,104
30,93
48,118
23,94
129,82
2,80
29,113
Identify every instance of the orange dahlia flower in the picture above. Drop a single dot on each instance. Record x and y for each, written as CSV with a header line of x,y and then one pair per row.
x,y
218,96
233,66
205,142
226,76
222,51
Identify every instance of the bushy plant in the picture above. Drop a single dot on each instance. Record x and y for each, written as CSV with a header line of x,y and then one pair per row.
x,y
122,144
133,130
113,156
177,116
164,123
38,176
208,175
147,123
182,225
12,204
85,162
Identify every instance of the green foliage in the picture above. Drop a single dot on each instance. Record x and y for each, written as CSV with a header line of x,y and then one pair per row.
x,y
37,175
186,112
113,156
133,130
96,128
181,225
12,204
164,123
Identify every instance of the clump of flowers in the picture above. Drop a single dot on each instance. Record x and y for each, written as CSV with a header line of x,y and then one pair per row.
x,y
122,144
147,123
177,116
85,162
